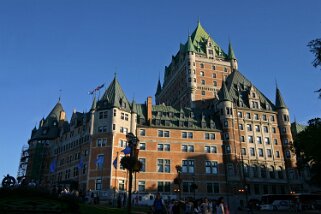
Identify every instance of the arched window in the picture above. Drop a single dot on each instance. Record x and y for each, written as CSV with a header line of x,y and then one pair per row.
x,y
263,172
280,172
272,173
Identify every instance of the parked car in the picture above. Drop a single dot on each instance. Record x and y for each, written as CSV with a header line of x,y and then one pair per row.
x,y
277,205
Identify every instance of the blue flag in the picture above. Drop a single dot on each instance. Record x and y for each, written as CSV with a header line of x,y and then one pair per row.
x,y
127,150
100,160
52,166
80,164
115,162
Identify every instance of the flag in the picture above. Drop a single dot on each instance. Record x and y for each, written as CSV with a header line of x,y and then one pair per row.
x,y
52,166
127,150
99,87
100,160
80,164
115,162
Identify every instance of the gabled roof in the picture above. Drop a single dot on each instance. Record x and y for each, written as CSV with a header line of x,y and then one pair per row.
x,y
114,96
279,102
238,87
200,38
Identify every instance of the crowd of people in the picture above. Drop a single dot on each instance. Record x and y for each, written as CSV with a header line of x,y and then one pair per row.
x,y
200,206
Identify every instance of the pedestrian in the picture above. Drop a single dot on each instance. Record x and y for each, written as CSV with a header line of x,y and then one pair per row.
x,y
158,205
220,206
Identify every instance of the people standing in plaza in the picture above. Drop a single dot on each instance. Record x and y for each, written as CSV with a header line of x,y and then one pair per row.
x,y
220,206
158,205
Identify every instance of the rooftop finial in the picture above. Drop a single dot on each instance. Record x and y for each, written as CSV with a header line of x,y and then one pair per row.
x,y
198,21
276,83
60,92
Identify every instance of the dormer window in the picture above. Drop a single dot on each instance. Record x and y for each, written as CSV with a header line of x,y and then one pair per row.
x,y
253,95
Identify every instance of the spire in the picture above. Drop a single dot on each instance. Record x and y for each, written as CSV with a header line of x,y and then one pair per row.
x,y
94,103
231,54
279,102
190,46
225,96
159,88
55,112
134,107
115,96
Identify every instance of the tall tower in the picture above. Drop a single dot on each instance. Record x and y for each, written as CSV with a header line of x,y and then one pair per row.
x,y
232,58
285,133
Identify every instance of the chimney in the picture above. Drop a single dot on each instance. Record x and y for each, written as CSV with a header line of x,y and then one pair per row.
x,y
149,109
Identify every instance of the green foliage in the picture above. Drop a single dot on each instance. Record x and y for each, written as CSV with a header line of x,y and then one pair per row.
x,y
131,163
315,48
308,144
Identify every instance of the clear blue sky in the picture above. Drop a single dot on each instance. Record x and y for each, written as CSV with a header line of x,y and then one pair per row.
x,y
48,45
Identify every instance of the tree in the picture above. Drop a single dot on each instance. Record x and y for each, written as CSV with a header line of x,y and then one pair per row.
x,y
308,144
315,48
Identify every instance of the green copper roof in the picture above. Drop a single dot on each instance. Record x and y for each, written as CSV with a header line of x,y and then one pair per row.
x,y
200,38
190,46
231,54
279,102
114,96
224,94
239,86
134,107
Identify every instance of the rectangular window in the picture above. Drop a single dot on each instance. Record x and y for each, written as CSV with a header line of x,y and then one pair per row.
x,y
143,161
209,136
241,127
184,134
121,184
141,186
167,147
98,184
250,138
188,166
252,152
211,167
243,151
142,132
275,142
249,127
122,143
248,115
259,140
257,128
242,139
163,186
264,117
213,188
240,114
277,154
267,140
163,165
269,153
166,133
101,142
142,146
122,116
260,152
160,147
256,116
272,118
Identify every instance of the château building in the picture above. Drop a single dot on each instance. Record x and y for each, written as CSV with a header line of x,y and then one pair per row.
x,y
228,137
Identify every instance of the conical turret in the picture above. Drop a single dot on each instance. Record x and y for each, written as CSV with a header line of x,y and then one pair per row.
x,y
231,57
279,102
159,88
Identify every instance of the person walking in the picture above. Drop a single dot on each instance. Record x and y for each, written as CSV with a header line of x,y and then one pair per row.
x,y
158,205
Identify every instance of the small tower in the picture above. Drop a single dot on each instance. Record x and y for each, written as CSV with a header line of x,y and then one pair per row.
x,y
285,130
191,68
133,121
232,58
92,115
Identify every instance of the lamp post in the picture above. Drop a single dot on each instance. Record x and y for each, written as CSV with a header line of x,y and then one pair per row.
x,y
179,180
132,143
